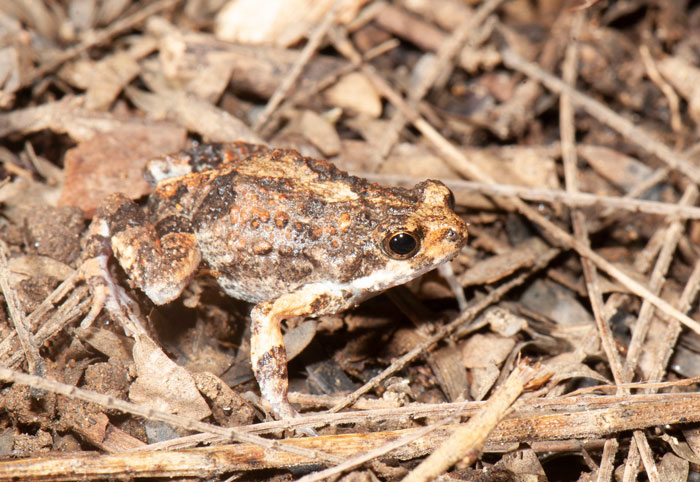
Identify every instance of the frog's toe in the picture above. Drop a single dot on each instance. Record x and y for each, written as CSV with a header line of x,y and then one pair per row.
x,y
106,293
98,303
282,410
93,272
280,407
308,431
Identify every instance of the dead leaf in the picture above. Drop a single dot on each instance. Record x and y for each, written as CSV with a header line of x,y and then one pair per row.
x,y
274,22
685,78
109,343
555,302
113,162
356,94
212,123
164,385
525,465
185,57
484,350
623,171
504,322
482,380
320,132
520,166
450,372
35,266
104,80
497,267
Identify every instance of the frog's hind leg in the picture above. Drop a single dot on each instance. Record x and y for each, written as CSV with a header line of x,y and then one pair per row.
x,y
267,353
161,264
269,359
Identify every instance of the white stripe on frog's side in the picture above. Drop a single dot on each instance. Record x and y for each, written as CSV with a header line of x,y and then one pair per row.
x,y
360,289
396,273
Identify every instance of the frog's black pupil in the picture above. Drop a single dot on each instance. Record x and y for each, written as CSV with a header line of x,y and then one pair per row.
x,y
451,201
402,244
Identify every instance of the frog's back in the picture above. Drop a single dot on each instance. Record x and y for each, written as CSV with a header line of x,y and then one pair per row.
x,y
276,220
268,221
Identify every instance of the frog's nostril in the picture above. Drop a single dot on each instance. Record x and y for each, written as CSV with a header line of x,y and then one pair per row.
x,y
454,236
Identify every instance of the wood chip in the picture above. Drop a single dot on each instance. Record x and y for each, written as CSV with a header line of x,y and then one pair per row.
x,y
355,94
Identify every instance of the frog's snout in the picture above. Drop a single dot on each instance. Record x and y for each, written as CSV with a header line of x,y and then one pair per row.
x,y
454,237
458,237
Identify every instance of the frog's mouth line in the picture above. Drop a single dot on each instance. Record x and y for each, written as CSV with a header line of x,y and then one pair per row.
x,y
396,273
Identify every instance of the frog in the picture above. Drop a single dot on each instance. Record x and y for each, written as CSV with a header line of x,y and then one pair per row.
x,y
292,235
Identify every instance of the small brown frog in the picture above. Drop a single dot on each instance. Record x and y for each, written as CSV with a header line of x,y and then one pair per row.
x,y
294,235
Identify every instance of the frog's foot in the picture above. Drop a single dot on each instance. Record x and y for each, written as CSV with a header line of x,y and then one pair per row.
x,y
273,386
159,260
106,293
269,357
271,373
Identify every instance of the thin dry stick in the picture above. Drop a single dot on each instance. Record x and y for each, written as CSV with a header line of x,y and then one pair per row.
x,y
663,262
647,456
445,330
674,330
307,52
153,414
381,415
440,66
666,89
607,461
376,453
633,459
581,232
624,127
568,136
558,235
19,321
467,441
570,199
99,38
35,318
646,386
537,421
643,321
589,270
69,311
302,94
568,139
591,277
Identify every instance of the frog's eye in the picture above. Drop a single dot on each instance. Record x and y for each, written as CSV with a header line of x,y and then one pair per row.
x,y
451,200
401,245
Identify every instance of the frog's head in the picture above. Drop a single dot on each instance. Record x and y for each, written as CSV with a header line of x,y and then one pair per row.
x,y
416,239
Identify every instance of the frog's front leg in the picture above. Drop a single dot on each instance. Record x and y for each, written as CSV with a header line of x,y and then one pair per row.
x,y
159,259
267,353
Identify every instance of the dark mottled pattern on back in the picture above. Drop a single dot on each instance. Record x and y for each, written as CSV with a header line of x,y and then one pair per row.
x,y
315,245
127,215
268,221
173,224
203,157
217,202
